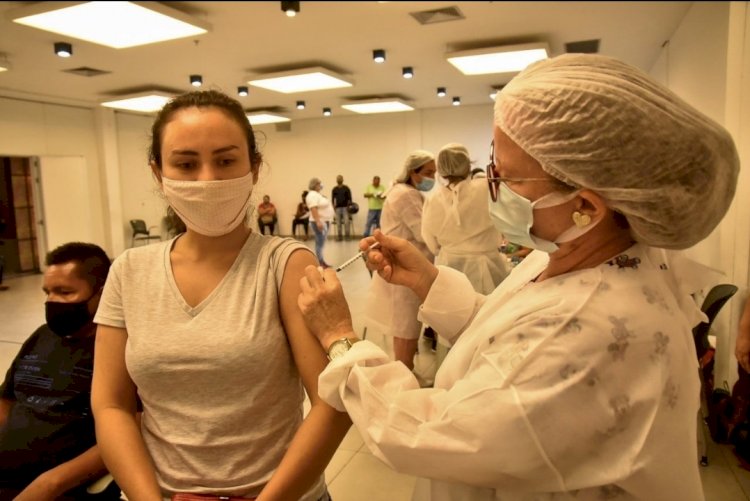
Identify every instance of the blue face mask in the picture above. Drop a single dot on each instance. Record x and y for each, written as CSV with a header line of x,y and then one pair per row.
x,y
425,184
513,216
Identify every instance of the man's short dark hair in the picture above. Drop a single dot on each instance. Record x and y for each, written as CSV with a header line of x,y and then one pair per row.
x,y
93,262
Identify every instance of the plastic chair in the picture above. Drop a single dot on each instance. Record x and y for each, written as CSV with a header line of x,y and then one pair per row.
x,y
141,233
712,305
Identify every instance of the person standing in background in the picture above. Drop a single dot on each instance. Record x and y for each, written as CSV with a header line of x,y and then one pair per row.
x,y
321,213
375,195
393,307
341,196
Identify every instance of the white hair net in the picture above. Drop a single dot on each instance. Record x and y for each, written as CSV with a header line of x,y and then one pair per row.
x,y
453,160
414,161
595,122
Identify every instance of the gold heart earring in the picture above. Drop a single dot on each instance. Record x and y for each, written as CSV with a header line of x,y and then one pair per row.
x,y
580,219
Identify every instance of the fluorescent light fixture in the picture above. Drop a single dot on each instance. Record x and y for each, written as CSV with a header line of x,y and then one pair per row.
x,y
263,117
114,24
378,106
511,58
145,102
301,80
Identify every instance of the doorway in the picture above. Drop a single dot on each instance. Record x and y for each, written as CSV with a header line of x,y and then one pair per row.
x,y
18,236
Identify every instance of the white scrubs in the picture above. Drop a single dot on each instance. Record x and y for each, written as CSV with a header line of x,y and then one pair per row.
x,y
583,386
392,308
456,227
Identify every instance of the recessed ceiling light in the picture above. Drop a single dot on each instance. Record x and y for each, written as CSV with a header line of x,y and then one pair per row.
x,y
266,118
63,49
196,80
300,105
456,101
378,106
114,24
507,59
290,8
441,91
4,63
326,112
146,102
407,72
242,91
378,55
301,80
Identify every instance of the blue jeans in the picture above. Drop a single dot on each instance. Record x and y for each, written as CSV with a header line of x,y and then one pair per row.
x,y
343,218
320,240
373,221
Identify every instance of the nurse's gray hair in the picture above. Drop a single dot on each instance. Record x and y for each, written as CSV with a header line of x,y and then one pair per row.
x,y
453,161
414,161
595,122
313,183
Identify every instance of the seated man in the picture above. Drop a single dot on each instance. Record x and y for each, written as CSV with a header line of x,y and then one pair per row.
x,y
266,215
47,443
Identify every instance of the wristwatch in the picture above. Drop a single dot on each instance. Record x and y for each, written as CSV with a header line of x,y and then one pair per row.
x,y
340,347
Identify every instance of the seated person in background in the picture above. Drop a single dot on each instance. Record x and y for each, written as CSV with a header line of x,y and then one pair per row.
x,y
742,346
266,215
47,443
302,217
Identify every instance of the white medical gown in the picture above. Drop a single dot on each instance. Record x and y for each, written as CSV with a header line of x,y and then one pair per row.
x,y
456,227
393,308
583,386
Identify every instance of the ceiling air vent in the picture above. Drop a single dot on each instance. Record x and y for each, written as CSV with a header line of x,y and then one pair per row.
x,y
85,71
583,47
437,15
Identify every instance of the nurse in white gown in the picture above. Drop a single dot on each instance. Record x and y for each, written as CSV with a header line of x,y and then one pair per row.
x,y
576,378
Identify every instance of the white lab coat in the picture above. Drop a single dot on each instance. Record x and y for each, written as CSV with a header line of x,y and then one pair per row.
x,y
583,386
391,308
456,227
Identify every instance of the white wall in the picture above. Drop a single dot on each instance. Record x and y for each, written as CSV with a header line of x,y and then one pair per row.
x,y
38,129
703,63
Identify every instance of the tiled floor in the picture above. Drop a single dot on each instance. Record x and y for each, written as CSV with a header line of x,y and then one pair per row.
x,y
353,470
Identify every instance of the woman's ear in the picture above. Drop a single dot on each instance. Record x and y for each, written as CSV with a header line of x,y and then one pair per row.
x,y
156,172
592,204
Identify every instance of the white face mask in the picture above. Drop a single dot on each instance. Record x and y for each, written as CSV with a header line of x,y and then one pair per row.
x,y
513,216
211,208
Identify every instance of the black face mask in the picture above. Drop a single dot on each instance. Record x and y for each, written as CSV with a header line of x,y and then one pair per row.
x,y
65,319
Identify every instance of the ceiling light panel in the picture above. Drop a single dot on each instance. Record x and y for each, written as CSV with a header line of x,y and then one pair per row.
x,y
147,102
266,118
380,106
114,24
303,80
508,59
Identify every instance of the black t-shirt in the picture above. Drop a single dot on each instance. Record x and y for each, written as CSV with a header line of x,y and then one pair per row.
x,y
50,421
341,195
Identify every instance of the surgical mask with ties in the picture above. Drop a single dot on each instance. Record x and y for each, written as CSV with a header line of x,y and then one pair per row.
x,y
425,184
513,216
211,208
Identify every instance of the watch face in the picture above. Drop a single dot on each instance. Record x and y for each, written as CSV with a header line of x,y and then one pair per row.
x,y
338,348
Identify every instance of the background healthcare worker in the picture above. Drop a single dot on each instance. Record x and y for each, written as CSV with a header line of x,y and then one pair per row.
x,y
577,376
456,226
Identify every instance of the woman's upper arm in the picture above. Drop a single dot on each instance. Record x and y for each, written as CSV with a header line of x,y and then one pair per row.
x,y
308,354
111,386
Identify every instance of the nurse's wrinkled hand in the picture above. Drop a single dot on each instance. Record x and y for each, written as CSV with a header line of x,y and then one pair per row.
x,y
324,306
398,262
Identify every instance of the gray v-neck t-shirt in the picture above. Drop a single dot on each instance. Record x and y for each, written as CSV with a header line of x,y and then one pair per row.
x,y
222,398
